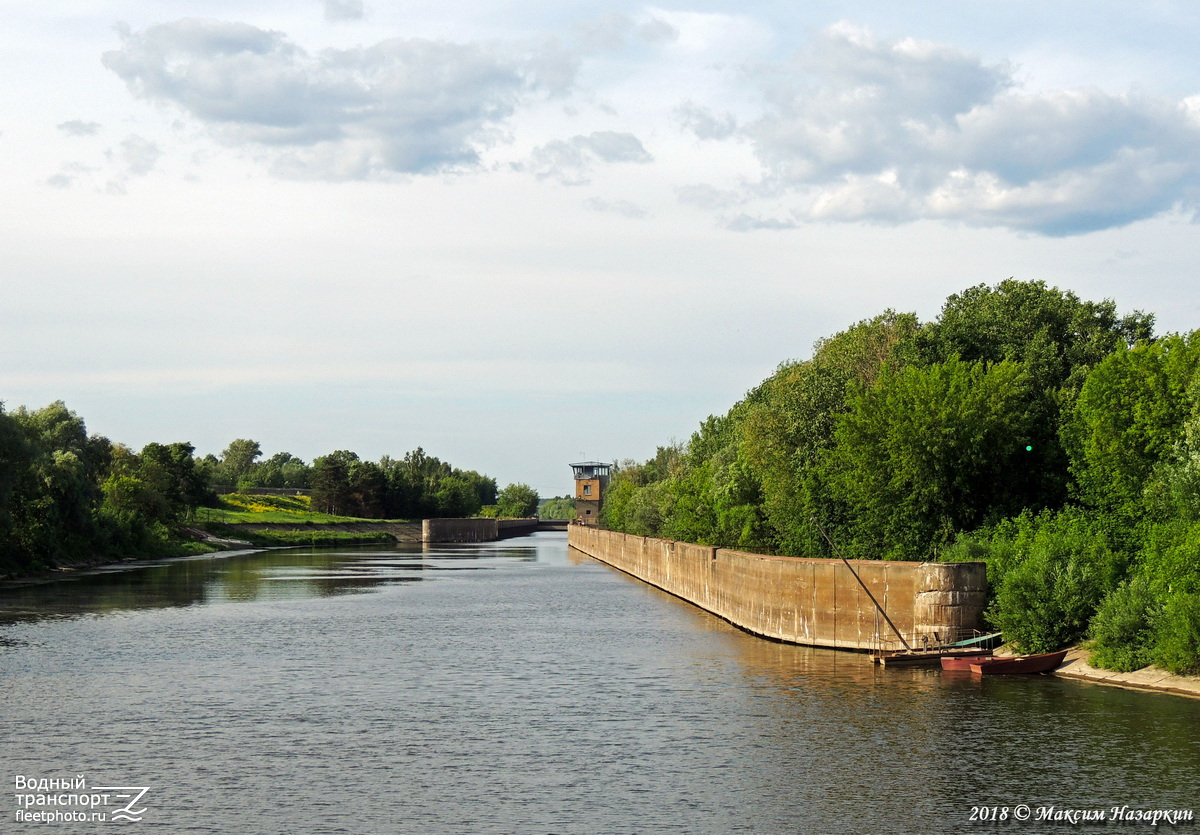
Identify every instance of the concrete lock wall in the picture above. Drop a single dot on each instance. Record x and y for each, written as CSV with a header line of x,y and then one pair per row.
x,y
459,530
475,530
816,602
515,527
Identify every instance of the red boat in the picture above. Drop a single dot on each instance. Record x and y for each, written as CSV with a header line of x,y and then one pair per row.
x,y
963,662
1018,664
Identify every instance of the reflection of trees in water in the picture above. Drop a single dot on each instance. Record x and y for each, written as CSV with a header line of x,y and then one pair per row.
x,y
270,575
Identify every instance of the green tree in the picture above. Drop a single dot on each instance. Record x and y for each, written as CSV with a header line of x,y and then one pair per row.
x,y
557,507
282,470
239,458
1054,334
925,453
787,425
171,470
1052,572
1056,337
517,501
331,492
456,497
1130,420
367,486
54,494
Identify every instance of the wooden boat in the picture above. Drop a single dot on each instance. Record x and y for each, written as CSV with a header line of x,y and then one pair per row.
x,y
927,658
963,662
1019,664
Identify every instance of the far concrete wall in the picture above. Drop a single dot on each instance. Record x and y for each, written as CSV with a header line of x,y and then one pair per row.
x,y
816,602
474,530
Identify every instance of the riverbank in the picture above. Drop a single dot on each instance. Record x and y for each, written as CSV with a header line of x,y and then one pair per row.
x,y
199,541
1148,678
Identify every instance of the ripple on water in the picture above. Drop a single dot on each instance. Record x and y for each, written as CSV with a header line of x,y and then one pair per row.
x,y
530,694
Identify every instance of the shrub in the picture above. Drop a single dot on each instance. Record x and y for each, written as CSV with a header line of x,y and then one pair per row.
x,y
1178,646
1125,627
1046,602
1052,571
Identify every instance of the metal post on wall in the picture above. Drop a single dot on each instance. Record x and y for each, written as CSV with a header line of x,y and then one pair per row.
x,y
879,608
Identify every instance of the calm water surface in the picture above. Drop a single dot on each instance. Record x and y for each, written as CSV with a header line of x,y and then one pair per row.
x,y
521,687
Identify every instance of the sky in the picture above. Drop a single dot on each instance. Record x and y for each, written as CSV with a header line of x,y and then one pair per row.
x,y
523,235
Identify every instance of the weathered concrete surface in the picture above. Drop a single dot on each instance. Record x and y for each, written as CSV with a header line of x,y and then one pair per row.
x,y
803,601
475,530
1147,678
459,530
515,527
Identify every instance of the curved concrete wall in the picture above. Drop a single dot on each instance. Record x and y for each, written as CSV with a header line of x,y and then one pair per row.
x,y
803,601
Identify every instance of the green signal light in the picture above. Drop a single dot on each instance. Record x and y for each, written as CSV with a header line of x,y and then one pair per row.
x,y
1029,447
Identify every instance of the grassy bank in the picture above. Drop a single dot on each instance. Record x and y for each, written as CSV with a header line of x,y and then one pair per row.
x,y
298,537
239,507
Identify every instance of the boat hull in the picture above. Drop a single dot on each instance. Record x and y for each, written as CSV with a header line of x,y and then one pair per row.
x,y
1020,665
964,662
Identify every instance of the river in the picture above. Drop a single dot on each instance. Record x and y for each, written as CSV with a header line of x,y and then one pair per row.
x,y
520,687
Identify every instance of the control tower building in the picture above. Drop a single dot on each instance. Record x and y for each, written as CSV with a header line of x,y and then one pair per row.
x,y
591,477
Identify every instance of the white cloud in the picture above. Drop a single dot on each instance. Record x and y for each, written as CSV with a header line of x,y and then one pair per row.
x,y
603,33
400,106
704,196
617,207
69,173
78,127
137,156
704,123
339,10
569,161
750,223
860,128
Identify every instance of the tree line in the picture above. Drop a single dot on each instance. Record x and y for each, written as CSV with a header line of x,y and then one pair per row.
x,y
70,496
415,486
1042,433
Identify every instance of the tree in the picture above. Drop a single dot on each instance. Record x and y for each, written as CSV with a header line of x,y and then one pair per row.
x,y
927,452
517,501
367,485
331,482
1130,418
557,507
282,470
1055,336
171,470
239,457
456,497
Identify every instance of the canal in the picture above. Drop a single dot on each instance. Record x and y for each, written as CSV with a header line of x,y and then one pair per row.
x,y
520,687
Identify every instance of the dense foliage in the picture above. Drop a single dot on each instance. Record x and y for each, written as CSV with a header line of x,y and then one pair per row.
x,y
67,496
1042,433
70,497
516,501
557,507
